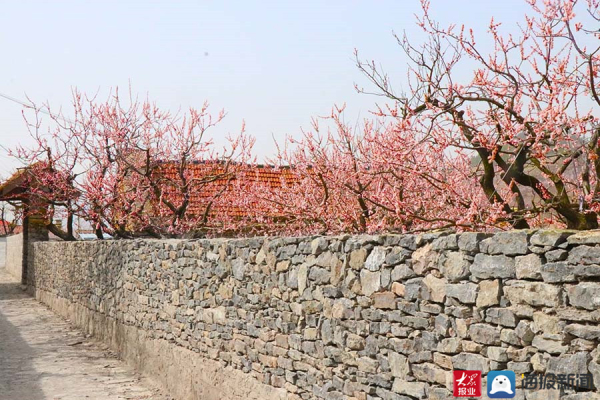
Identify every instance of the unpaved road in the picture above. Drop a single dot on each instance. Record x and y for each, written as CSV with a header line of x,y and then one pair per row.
x,y
43,358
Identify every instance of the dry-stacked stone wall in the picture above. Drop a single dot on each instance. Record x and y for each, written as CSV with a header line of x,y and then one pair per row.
x,y
349,317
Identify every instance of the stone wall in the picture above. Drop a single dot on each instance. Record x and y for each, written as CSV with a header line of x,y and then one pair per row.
x,y
14,255
361,317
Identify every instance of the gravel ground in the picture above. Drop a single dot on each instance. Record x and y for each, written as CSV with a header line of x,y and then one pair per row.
x,y
43,357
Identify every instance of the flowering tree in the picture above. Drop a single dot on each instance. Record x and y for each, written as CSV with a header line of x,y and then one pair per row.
x,y
514,144
369,178
528,110
124,168
135,170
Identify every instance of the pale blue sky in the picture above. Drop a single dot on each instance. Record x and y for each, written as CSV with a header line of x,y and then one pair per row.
x,y
273,63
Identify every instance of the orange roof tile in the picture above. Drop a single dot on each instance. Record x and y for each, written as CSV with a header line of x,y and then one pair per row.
x,y
204,189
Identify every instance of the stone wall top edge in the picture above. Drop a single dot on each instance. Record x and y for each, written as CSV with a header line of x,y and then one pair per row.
x,y
573,237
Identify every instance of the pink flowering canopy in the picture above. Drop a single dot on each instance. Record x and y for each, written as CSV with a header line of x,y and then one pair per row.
x,y
514,144
107,166
528,112
375,177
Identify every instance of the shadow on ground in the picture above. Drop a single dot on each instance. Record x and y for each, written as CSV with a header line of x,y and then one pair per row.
x,y
19,379
11,291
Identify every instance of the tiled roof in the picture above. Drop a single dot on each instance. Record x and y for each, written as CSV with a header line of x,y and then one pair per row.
x,y
16,187
210,179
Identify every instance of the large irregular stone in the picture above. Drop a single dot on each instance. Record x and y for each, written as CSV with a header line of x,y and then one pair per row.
x,y
594,368
497,354
355,342
509,243
386,277
539,361
413,288
545,323
361,241
399,289
375,259
448,242
396,256
569,364
548,237
357,258
576,314
489,294
501,316
549,344
464,292
556,255
528,267
261,257
302,278
469,241
429,372
434,289
442,324
402,272
398,364
342,309
588,332
450,345
370,282
523,332
286,252
486,267
584,295
585,237
327,332
321,276
558,272
338,268
407,241
367,364
587,271
533,293
282,266
318,245
385,300
519,368
292,278
584,255
424,259
238,268
327,259
484,334
510,336
415,390
462,327
468,361
455,267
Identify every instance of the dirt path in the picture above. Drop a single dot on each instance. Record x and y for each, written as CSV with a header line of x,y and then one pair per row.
x,y
42,357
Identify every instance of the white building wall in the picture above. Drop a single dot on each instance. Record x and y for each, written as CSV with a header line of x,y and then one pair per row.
x,y
2,252
14,255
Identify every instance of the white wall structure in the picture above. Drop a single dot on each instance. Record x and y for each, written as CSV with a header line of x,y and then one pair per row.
x,y
14,255
2,252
